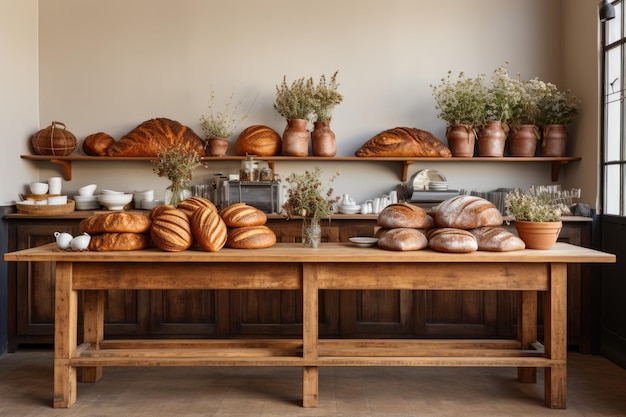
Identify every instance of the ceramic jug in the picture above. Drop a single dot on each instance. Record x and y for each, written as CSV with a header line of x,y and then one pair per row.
x,y
63,239
80,242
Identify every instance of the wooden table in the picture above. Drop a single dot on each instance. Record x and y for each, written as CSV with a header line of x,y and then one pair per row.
x,y
336,266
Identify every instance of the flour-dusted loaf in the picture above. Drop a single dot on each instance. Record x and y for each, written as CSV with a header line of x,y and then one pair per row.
x,y
241,214
153,137
402,239
404,141
119,241
467,212
449,239
171,231
497,239
208,229
190,205
258,140
404,215
116,222
251,237
97,144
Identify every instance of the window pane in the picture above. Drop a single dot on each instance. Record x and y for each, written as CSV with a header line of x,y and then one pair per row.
x,y
611,190
614,26
613,130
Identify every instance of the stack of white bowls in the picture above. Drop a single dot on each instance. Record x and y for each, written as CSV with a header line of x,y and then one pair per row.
x,y
150,204
437,185
86,200
142,196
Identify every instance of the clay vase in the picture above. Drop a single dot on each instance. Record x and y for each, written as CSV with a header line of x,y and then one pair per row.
x,y
491,139
217,146
523,140
554,140
461,140
538,235
296,138
323,139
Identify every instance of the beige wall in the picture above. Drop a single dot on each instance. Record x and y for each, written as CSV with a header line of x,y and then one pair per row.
x,y
108,66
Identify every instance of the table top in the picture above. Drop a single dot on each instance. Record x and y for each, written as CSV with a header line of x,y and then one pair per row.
x,y
326,252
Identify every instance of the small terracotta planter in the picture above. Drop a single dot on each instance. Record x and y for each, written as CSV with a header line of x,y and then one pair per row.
x,y
538,235
217,146
461,140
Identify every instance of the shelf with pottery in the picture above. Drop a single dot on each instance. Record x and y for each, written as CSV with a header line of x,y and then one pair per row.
x,y
557,162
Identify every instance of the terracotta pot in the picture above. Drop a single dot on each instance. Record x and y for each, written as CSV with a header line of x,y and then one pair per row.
x,y
538,235
523,140
554,140
296,138
323,139
461,140
217,146
491,139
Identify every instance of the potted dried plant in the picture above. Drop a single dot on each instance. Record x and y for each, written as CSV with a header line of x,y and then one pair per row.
x,y
325,98
557,108
176,165
295,103
218,126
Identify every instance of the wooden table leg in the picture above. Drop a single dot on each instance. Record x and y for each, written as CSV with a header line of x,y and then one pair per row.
x,y
65,328
527,330
309,334
93,329
555,325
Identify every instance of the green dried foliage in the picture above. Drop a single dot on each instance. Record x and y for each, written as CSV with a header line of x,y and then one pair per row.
x,y
221,124
295,101
326,97
532,206
461,100
308,197
176,164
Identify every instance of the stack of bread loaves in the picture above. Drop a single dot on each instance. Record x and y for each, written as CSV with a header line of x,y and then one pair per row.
x,y
460,224
117,231
246,227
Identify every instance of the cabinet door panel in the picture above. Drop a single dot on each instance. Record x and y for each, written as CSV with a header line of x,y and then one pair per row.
x,y
183,312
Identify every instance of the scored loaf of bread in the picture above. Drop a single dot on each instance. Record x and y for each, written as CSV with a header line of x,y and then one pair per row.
x,y
449,239
467,212
250,237
153,137
190,205
97,144
404,215
404,141
171,231
497,239
116,222
119,241
241,215
208,229
402,239
258,140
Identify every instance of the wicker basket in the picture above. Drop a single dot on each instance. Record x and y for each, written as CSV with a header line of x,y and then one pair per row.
x,y
54,140
45,209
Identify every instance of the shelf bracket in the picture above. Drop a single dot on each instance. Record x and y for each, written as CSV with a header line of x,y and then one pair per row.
x,y
405,170
556,168
66,166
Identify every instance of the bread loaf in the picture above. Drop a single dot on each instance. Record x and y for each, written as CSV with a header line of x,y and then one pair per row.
x,y
251,237
404,141
258,140
467,212
402,239
497,239
153,137
119,241
116,222
241,214
154,213
448,239
208,229
97,144
190,205
171,231
404,215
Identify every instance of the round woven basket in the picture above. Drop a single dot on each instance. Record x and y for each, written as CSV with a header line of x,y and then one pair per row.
x,y
54,140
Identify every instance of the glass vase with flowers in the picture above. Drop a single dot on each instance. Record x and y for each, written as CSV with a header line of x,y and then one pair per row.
x,y
176,165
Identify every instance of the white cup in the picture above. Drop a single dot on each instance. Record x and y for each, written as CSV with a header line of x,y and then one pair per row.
x,y
54,185
393,197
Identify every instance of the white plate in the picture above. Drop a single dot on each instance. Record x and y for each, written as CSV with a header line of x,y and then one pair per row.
x,y
421,179
364,242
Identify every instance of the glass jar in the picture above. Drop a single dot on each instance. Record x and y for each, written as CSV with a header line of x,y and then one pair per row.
x,y
249,170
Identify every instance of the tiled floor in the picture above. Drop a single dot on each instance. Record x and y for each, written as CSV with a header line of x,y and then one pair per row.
x,y
596,387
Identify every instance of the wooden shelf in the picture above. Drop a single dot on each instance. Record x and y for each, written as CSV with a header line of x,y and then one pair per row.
x,y
557,162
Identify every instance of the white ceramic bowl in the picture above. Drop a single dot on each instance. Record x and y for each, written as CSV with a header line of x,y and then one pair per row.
x,y
87,190
57,200
38,187
115,201
86,198
109,192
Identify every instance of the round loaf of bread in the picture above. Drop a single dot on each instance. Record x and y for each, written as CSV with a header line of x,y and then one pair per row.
x,y
119,241
171,231
116,222
208,229
258,140
97,144
242,215
402,239
251,237
449,239
404,215
189,205
467,212
154,213
497,239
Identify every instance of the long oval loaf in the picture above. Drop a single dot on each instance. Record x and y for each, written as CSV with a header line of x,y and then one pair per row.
x,y
467,212
497,239
208,229
449,239
171,231
402,239
189,205
251,237
241,215
117,222
119,241
404,215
